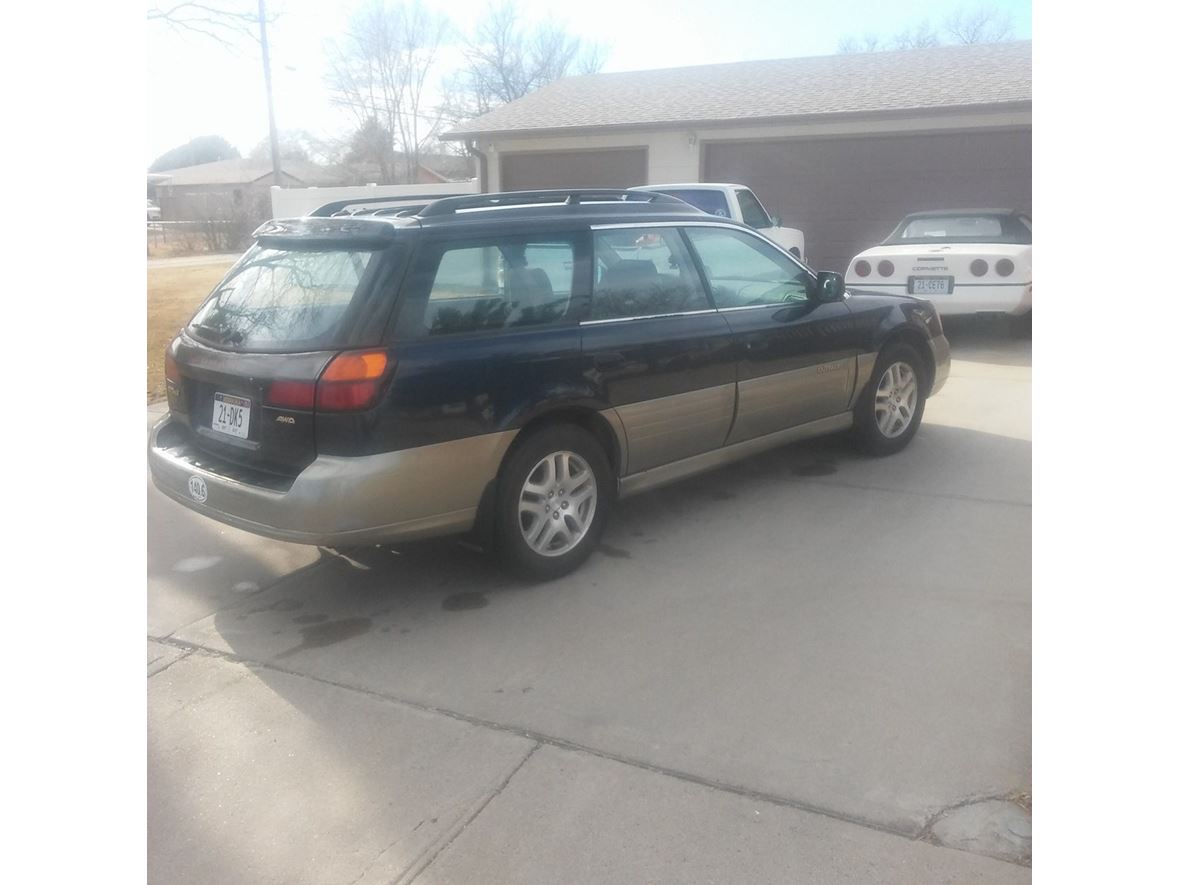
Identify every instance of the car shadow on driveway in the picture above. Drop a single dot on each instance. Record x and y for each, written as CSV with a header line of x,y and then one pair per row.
x,y
987,340
394,589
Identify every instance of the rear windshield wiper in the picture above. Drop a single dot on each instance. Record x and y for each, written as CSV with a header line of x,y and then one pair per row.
x,y
220,334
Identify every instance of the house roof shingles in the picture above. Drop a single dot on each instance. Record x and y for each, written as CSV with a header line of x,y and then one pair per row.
x,y
914,79
244,171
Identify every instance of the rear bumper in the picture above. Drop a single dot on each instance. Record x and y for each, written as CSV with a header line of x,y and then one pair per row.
x,y
1015,300
941,349
337,501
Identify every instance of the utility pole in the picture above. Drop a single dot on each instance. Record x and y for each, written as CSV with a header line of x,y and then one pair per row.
x,y
270,101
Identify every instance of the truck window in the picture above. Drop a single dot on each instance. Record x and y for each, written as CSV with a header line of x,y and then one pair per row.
x,y
710,201
752,212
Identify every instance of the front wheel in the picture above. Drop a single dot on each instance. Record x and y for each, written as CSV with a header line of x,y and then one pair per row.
x,y
890,409
553,498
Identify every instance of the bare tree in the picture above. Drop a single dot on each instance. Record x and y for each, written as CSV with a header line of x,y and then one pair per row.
x,y
294,144
506,60
981,24
864,43
984,24
920,36
223,20
379,70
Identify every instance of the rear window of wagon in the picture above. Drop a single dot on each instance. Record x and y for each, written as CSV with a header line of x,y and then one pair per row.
x,y
283,300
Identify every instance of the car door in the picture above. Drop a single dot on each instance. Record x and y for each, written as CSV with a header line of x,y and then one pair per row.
x,y
796,355
659,351
486,325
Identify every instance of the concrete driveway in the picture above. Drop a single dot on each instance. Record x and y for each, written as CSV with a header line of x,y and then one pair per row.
x,y
811,666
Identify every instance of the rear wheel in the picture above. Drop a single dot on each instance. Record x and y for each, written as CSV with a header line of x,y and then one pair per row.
x,y
890,409
553,498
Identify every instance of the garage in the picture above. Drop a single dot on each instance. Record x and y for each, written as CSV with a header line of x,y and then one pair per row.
x,y
840,146
536,170
848,193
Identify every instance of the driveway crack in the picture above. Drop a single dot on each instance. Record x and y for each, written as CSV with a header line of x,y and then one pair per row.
x,y
921,833
424,863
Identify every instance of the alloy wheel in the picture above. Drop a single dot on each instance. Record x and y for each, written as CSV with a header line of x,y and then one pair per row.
x,y
557,503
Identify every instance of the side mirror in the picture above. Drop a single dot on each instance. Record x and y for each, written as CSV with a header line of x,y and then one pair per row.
x,y
829,286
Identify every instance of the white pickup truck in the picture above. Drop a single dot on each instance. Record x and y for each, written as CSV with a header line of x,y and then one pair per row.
x,y
734,201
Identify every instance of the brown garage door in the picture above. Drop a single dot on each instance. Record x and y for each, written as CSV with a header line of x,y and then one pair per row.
x,y
847,194
556,169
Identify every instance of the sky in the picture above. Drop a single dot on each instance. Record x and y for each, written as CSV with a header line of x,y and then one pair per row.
x,y
197,86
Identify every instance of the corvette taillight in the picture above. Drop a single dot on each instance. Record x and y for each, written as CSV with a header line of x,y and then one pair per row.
x,y
863,268
1004,267
978,267
885,268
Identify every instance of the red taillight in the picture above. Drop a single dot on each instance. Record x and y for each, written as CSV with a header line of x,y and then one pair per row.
x,y
885,268
171,370
347,396
1004,267
863,268
291,394
979,267
352,381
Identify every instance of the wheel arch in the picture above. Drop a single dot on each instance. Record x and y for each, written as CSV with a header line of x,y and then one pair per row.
x,y
912,337
589,419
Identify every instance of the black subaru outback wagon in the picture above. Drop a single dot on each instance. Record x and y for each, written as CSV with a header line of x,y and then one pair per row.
x,y
513,364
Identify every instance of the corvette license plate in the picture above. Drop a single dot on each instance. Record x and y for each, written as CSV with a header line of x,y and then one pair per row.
x,y
931,285
231,415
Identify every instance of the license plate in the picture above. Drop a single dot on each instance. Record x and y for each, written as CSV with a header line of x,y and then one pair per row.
x,y
231,415
931,285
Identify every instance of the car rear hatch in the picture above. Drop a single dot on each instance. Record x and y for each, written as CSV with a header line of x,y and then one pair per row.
x,y
275,344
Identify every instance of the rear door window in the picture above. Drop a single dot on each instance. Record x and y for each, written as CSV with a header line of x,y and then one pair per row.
x,y
500,283
283,300
745,271
644,272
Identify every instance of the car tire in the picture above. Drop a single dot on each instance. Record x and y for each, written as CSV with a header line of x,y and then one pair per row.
x,y
554,495
890,409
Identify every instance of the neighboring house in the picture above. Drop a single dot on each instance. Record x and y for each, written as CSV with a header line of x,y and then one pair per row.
x,y
840,146
431,169
230,188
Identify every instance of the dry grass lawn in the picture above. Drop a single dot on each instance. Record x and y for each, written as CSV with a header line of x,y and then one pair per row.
x,y
173,294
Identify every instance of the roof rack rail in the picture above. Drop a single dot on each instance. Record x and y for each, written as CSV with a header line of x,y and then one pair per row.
x,y
337,206
451,205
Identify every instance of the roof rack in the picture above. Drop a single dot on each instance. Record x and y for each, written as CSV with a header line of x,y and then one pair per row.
x,y
337,207
451,205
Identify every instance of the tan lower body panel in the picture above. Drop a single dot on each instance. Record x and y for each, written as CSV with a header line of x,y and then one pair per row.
x,y
785,399
674,427
658,476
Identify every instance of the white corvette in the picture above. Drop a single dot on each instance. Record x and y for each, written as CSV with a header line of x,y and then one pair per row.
x,y
965,261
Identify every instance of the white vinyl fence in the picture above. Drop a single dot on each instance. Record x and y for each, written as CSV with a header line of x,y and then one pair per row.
x,y
293,202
